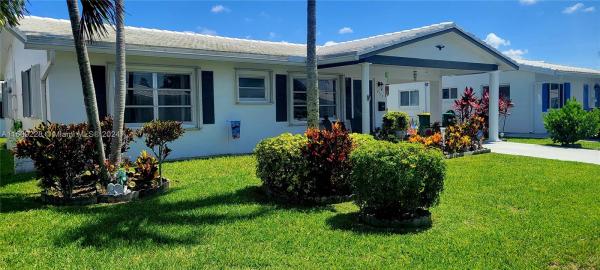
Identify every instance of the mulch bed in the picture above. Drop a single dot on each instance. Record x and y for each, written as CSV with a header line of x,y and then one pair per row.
x,y
285,199
89,199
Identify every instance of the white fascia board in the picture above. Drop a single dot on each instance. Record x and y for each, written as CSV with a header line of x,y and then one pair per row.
x,y
103,47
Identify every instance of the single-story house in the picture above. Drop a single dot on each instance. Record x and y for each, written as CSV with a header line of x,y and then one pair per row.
x,y
534,89
211,82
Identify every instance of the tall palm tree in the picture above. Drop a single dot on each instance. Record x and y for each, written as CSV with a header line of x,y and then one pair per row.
x,y
11,11
119,112
312,102
91,24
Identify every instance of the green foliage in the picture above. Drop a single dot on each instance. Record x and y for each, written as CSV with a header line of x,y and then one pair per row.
x,y
393,122
359,139
570,123
394,180
157,134
327,155
280,164
62,154
146,171
596,116
11,11
107,134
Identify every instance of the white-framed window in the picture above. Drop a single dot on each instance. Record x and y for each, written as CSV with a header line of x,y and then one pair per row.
x,y
449,93
409,98
253,86
158,95
328,97
504,90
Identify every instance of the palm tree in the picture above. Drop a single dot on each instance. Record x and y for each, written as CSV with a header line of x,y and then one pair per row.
x,y
119,112
91,24
11,11
312,103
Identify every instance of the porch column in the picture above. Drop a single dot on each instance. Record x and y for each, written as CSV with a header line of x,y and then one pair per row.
x,y
493,107
366,110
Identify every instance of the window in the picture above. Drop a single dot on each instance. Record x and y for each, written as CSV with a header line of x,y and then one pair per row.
x,y
505,91
165,96
253,86
327,98
449,93
554,95
409,98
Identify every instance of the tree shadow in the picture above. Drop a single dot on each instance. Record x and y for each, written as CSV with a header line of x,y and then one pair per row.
x,y
8,178
140,222
17,202
350,222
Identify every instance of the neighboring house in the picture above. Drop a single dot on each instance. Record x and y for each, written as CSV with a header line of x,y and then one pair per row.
x,y
535,88
209,82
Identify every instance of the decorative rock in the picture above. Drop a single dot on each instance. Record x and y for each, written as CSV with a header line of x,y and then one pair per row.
x,y
110,189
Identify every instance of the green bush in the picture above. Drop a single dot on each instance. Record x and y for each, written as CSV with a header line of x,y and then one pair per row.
x,y
394,181
596,115
392,122
570,123
157,134
280,164
359,139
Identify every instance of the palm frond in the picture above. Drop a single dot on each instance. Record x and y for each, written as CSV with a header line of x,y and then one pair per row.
x,y
96,15
11,11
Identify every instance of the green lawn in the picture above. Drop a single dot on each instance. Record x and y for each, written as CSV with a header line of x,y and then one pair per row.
x,y
497,212
594,145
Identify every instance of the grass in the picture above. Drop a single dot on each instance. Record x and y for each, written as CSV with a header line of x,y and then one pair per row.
x,y
594,145
6,160
497,212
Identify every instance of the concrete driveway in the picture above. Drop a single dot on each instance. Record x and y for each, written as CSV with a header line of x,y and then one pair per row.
x,y
543,151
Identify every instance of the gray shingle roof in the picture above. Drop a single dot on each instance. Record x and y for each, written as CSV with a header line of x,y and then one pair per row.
x,y
373,43
555,67
47,30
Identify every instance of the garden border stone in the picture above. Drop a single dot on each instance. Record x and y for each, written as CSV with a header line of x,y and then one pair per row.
x,y
282,198
422,221
469,153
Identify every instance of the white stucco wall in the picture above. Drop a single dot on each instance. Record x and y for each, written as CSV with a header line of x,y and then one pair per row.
x,y
257,121
394,98
525,92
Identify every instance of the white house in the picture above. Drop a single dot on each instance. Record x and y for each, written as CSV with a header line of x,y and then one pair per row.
x,y
536,87
209,81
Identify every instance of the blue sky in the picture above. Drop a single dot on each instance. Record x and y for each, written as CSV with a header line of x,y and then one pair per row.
x,y
563,32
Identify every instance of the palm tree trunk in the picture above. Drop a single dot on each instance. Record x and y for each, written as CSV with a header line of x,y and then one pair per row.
x,y
119,112
89,94
312,103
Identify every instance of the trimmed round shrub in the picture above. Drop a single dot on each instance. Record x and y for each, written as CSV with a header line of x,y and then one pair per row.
x,y
359,139
392,122
280,164
570,123
395,181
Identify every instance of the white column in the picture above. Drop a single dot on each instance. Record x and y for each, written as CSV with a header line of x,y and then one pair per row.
x,y
493,105
435,100
366,110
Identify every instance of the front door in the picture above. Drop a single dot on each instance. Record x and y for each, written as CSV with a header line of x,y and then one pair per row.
x,y
358,112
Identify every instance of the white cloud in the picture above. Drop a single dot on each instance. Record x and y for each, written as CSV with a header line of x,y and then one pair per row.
x,y
331,42
264,15
219,9
496,41
574,8
528,2
589,9
206,31
346,30
272,35
515,54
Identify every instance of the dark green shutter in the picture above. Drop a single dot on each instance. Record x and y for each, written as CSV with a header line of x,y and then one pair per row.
x,y
348,98
281,110
208,98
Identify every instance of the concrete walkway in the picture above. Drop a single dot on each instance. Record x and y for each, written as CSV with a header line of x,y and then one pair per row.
x,y
543,151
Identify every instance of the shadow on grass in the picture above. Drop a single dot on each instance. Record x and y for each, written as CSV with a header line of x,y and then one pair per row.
x,y
351,222
187,221
9,178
